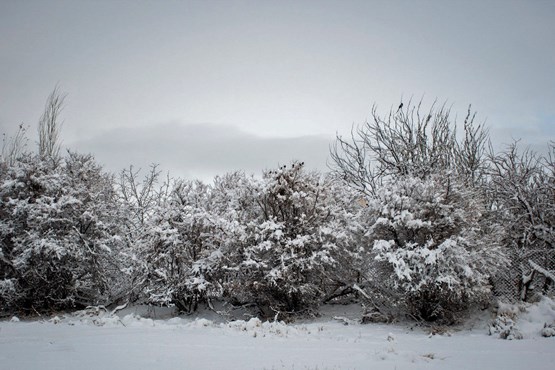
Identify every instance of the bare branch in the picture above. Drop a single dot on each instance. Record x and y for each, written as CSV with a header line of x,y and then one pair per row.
x,y
409,141
14,147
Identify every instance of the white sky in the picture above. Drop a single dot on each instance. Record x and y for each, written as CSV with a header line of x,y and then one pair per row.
x,y
204,87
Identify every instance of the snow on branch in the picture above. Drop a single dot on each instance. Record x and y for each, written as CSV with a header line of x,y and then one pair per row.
x,y
541,270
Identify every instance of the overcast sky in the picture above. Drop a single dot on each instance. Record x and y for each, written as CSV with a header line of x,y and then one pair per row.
x,y
204,87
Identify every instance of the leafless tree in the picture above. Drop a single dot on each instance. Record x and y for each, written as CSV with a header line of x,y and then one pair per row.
x,y
140,197
522,189
14,147
522,182
49,125
410,141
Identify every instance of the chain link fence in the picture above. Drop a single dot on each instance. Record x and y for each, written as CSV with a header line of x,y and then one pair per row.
x,y
530,274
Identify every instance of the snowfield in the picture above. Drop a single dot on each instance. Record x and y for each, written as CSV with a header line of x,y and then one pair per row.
x,y
97,340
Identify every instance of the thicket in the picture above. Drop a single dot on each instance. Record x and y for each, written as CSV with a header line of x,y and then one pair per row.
x,y
415,219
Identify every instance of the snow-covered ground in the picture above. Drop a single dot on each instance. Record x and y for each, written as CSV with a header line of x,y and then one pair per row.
x,y
88,340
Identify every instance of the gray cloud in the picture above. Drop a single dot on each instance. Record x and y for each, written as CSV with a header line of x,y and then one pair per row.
x,y
287,68
200,150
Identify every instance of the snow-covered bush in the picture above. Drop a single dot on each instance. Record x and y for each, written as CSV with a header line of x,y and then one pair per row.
x,y
58,233
548,330
288,260
432,253
505,324
429,226
181,249
505,327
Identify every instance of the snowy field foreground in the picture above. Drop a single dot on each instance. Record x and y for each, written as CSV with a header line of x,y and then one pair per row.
x,y
98,340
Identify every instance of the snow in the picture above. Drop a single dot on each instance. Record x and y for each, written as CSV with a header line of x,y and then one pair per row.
x,y
540,312
98,340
